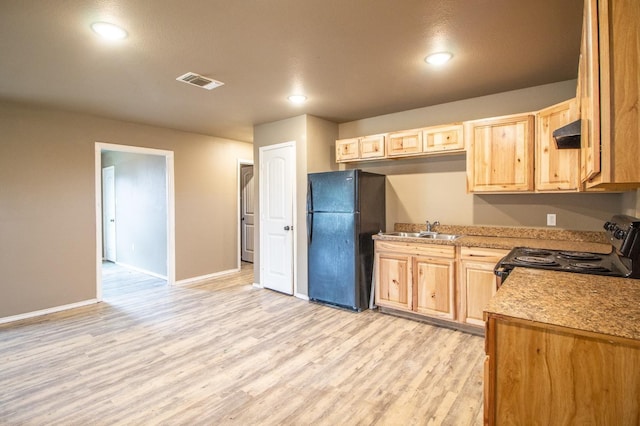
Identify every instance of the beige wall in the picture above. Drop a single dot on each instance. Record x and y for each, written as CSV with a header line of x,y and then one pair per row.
x,y
435,188
321,138
47,202
314,139
631,203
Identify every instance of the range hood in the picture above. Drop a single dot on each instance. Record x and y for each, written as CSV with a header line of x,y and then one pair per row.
x,y
568,136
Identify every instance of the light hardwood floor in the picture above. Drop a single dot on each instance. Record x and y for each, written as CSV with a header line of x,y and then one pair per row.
x,y
225,352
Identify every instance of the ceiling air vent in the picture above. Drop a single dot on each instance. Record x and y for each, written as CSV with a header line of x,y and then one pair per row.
x,y
200,81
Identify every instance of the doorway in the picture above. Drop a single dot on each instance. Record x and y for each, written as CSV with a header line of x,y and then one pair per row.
x,y
109,213
277,217
247,211
165,199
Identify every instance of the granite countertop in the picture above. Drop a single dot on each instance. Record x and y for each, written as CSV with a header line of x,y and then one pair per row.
x,y
593,303
509,237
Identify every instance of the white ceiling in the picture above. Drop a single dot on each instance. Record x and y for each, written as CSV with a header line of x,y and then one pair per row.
x,y
352,58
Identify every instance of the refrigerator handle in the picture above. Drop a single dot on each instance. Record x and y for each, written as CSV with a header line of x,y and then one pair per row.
x,y
309,211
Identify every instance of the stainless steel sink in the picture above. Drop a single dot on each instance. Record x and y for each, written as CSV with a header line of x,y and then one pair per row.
x,y
401,234
427,235
447,237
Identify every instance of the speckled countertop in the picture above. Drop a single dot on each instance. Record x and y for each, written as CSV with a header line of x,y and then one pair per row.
x,y
592,303
504,237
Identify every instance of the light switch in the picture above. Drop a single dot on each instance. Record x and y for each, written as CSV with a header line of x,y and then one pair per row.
x,y
551,219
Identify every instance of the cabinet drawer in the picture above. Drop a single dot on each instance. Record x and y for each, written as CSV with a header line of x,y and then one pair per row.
x,y
416,249
482,254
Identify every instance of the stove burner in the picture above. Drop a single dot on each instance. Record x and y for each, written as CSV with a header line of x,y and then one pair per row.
x,y
536,260
536,252
591,267
578,255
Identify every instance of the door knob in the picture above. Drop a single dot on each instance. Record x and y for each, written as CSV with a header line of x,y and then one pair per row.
x,y
286,228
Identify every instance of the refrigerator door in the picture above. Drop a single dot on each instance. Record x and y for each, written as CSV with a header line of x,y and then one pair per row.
x,y
332,258
333,192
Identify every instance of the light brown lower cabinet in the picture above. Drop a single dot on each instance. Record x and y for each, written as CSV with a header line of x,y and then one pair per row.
x,y
416,278
477,282
543,374
432,281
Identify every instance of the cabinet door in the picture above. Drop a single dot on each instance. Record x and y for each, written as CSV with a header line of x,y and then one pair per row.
x,y
560,376
443,139
556,169
404,143
477,285
613,44
392,280
589,83
372,146
500,154
347,149
433,287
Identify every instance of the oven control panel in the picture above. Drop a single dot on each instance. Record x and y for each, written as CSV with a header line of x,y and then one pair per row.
x,y
624,235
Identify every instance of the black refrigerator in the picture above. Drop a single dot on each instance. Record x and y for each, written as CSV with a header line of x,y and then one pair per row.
x,y
344,209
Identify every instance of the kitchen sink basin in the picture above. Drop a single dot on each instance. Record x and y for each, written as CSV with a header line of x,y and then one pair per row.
x,y
448,237
401,234
427,235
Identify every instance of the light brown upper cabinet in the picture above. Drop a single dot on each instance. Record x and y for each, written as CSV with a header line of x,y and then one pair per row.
x,y
365,148
443,139
372,146
557,170
347,149
500,154
609,92
408,142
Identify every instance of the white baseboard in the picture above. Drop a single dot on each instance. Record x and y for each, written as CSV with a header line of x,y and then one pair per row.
x,y
47,311
144,271
302,296
257,285
207,277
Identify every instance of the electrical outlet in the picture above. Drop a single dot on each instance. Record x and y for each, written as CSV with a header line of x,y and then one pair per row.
x,y
551,219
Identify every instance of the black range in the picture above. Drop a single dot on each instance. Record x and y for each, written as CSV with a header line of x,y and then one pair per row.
x,y
623,260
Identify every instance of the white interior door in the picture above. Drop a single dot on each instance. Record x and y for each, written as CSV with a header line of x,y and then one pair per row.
x,y
109,213
277,165
247,212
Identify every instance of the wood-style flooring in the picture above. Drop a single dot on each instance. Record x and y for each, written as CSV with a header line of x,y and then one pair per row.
x,y
224,352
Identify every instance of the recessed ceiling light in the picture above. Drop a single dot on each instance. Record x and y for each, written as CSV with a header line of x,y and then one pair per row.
x,y
438,58
297,99
108,31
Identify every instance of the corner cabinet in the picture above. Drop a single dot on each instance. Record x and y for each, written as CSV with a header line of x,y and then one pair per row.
x,y
557,170
609,92
477,282
500,154
415,277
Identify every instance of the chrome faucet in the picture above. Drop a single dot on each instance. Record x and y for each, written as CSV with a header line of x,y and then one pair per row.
x,y
430,225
